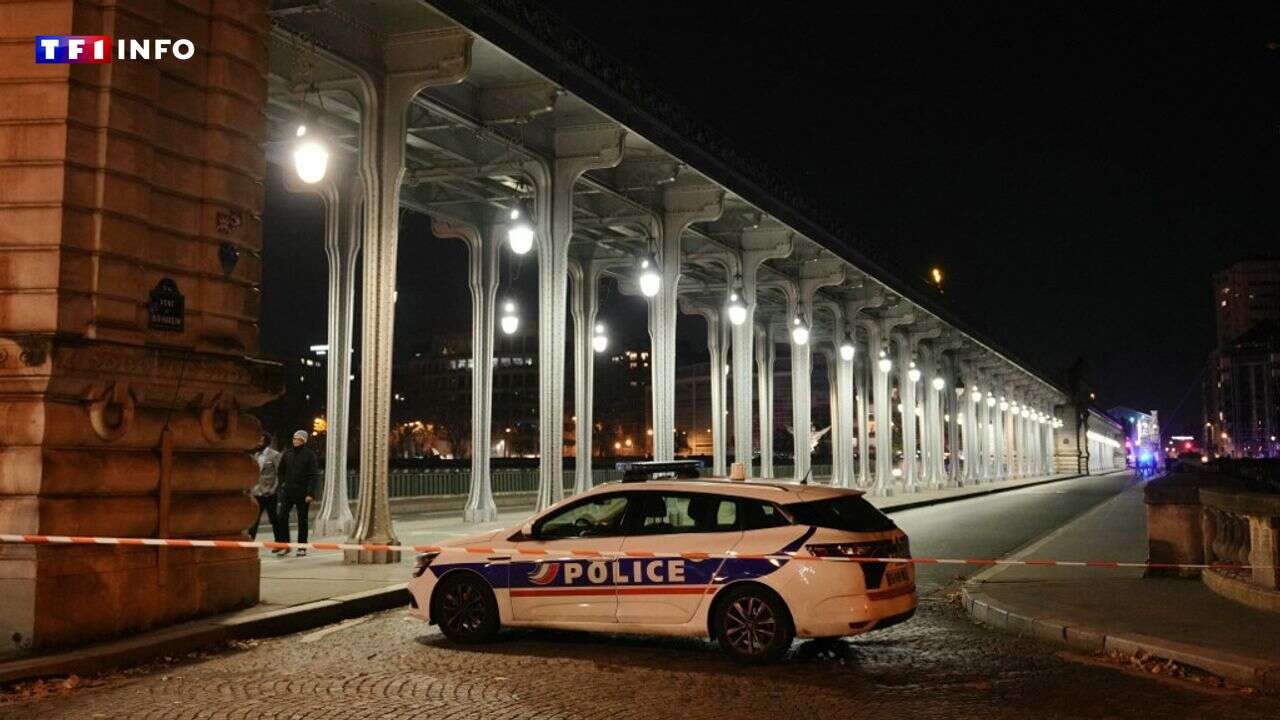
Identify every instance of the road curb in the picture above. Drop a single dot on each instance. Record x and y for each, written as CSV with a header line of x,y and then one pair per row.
x,y
187,637
1241,669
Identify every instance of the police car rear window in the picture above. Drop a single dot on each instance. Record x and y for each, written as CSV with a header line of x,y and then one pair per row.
x,y
850,512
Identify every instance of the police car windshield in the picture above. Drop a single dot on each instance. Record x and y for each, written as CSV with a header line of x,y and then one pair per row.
x,y
850,512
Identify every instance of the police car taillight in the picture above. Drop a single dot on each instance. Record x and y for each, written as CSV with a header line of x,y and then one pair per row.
x,y
422,562
867,549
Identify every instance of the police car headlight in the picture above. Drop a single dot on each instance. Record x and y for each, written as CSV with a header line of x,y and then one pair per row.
x,y
422,562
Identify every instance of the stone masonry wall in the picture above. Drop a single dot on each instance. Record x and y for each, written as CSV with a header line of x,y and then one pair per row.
x,y
113,178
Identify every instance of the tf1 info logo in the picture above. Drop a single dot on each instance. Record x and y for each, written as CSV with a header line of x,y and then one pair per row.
x,y
99,49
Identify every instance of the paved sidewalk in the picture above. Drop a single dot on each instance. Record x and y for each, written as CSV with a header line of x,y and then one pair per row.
x,y
1117,610
298,593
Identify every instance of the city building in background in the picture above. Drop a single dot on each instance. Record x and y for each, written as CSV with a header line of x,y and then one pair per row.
x,y
1242,385
302,406
1246,294
623,425
1242,395
1142,443
431,398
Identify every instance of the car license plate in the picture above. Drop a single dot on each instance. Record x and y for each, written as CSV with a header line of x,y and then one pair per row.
x,y
897,576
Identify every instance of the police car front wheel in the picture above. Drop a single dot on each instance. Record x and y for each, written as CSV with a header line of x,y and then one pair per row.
x,y
753,625
466,609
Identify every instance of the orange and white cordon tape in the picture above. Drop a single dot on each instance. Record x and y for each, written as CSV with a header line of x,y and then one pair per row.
x,y
571,553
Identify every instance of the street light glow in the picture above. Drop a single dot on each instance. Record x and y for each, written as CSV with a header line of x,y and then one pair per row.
x,y
939,383
520,237
799,331
310,157
846,351
737,310
884,363
650,281
599,341
510,322
913,373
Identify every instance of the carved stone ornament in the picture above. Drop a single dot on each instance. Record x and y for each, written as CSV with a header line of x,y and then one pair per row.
x,y
111,415
219,419
228,221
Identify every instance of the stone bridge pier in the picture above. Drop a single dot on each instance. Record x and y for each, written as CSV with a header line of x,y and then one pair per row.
x,y
130,198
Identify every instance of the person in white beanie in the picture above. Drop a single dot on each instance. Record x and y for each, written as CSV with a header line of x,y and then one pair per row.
x,y
299,485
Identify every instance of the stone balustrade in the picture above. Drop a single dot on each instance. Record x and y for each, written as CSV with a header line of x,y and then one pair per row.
x,y
1242,528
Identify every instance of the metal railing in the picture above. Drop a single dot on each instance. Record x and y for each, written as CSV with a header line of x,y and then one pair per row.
x,y
444,482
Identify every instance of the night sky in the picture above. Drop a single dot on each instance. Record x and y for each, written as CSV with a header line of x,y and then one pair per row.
x,y
1077,175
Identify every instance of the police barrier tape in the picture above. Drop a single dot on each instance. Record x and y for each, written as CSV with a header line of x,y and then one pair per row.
x,y
571,553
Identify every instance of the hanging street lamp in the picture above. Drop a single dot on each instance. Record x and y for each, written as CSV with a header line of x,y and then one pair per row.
x,y
799,331
599,341
510,321
649,280
520,235
310,155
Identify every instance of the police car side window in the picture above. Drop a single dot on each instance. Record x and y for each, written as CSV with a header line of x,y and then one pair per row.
x,y
656,513
598,517
760,515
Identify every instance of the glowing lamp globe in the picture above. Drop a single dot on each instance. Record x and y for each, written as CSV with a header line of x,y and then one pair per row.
x,y
310,157
650,281
799,333
939,383
846,351
520,238
884,363
736,309
510,322
913,374
600,341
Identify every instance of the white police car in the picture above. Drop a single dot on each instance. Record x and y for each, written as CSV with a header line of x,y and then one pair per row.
x,y
732,560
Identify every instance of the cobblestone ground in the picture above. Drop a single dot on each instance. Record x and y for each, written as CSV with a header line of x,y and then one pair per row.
x,y
938,665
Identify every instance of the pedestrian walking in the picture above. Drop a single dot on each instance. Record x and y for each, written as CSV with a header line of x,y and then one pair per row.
x,y
264,491
299,484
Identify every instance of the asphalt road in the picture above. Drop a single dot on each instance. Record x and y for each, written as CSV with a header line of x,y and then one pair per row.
x,y
939,665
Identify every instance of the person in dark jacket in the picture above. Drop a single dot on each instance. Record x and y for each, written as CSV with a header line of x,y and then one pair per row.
x,y
299,484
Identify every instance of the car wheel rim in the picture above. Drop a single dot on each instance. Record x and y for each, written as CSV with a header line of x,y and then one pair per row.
x,y
750,626
463,608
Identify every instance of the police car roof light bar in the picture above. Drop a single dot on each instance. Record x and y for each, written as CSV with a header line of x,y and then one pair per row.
x,y
649,469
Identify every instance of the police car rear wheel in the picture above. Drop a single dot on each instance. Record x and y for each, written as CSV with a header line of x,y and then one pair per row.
x,y
466,609
753,625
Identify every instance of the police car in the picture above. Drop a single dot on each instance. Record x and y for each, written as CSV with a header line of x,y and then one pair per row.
x,y
726,559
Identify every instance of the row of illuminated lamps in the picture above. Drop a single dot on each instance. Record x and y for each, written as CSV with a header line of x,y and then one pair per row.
x,y
311,160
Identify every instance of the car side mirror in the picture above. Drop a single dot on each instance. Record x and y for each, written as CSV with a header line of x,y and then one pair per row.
x,y
526,530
